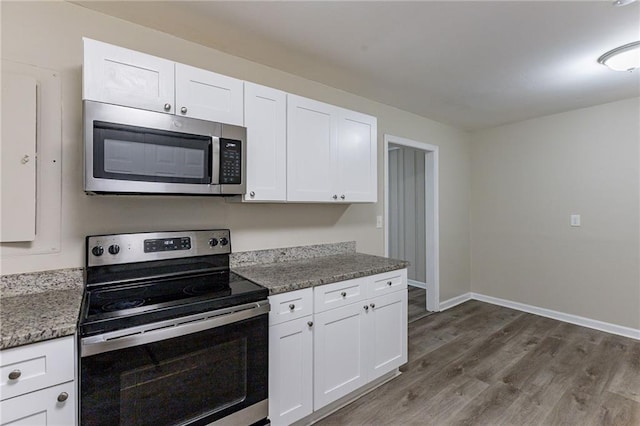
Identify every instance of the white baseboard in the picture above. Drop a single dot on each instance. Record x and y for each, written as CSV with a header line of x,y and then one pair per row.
x,y
454,301
561,316
419,284
620,330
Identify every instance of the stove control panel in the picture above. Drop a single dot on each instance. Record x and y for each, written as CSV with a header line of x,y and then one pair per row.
x,y
148,246
167,244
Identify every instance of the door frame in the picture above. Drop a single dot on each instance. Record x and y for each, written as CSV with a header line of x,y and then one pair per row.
x,y
431,211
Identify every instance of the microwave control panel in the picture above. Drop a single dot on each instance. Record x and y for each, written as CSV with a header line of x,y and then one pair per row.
x,y
230,161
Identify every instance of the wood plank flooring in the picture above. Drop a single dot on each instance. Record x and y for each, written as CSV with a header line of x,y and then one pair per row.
x,y
417,303
481,364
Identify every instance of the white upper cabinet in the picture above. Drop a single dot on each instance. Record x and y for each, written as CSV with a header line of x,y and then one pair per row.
x,y
331,153
208,96
311,149
120,76
125,77
298,149
265,114
356,177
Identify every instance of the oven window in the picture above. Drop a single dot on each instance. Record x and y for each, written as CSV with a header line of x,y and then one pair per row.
x,y
183,380
136,153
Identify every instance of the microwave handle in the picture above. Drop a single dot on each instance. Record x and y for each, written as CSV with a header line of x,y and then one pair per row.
x,y
215,160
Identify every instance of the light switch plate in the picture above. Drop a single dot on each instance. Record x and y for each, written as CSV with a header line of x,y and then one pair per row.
x,y
575,220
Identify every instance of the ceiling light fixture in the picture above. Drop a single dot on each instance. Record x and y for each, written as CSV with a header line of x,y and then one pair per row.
x,y
619,3
623,58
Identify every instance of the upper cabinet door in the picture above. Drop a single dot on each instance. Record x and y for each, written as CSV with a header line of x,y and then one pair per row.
x,y
208,96
311,147
356,177
121,76
265,114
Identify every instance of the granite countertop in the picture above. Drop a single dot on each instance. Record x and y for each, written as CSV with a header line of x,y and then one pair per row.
x,y
280,277
45,305
39,306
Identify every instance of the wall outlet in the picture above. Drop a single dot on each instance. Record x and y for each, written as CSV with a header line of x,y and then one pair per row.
x,y
378,221
575,220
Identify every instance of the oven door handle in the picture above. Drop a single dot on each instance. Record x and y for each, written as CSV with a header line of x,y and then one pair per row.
x,y
168,329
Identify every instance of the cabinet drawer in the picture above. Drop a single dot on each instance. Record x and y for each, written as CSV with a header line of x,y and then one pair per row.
x,y
42,408
387,282
338,294
290,305
36,366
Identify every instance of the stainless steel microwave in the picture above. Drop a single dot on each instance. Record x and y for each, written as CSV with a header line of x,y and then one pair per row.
x,y
132,151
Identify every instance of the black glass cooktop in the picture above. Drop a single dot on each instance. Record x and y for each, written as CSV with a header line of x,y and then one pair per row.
x,y
118,306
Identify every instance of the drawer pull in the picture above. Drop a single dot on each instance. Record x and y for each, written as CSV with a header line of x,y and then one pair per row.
x,y
366,307
343,294
292,306
63,397
373,305
15,374
310,323
389,283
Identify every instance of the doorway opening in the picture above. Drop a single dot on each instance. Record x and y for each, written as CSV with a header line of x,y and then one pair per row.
x,y
411,218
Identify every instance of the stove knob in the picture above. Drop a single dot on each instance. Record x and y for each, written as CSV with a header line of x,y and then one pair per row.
x,y
114,249
213,242
224,241
97,250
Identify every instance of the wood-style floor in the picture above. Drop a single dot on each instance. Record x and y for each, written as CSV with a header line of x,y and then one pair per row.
x,y
481,364
417,303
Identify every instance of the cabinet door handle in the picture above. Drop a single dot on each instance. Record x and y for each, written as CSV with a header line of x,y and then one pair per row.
x,y
389,283
167,107
63,397
25,159
366,307
183,110
373,305
15,374
252,194
342,196
292,306
335,196
343,294
310,323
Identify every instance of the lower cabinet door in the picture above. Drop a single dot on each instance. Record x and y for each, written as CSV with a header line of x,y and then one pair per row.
x,y
340,354
388,318
51,406
290,370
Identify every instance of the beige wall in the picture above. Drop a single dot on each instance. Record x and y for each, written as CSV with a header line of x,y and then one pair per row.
x,y
527,178
48,34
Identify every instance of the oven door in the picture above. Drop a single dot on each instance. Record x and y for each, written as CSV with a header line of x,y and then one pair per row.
x,y
197,370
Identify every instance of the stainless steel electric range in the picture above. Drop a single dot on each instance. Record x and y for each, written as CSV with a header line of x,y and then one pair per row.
x,y
168,335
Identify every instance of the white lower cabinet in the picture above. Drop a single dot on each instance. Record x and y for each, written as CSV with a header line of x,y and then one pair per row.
x,y
46,407
356,333
37,384
290,371
340,353
387,318
290,356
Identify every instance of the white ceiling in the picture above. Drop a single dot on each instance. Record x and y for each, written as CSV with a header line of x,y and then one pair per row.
x,y
473,64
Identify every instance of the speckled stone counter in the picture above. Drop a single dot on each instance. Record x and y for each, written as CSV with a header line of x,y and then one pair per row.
x,y
45,305
280,277
39,306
